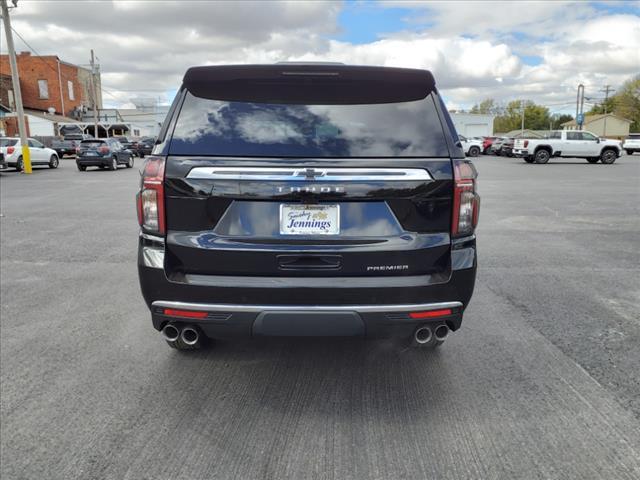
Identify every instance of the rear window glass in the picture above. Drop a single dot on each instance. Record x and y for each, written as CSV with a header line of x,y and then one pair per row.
x,y
90,143
230,128
8,142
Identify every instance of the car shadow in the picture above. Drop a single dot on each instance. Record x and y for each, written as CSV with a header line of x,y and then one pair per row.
x,y
577,162
310,373
106,170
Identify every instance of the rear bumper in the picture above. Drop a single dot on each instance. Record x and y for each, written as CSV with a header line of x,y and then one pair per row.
x,y
93,161
303,306
518,152
308,320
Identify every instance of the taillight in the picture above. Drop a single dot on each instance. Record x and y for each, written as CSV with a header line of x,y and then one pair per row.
x,y
150,199
104,149
77,150
466,202
526,143
10,150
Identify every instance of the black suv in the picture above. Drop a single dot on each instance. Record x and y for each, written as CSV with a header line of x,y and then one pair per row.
x,y
144,146
307,200
103,153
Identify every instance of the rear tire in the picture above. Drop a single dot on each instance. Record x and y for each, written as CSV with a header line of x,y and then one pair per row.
x,y
608,156
593,159
114,164
629,152
19,165
53,162
82,168
528,159
542,156
130,162
474,151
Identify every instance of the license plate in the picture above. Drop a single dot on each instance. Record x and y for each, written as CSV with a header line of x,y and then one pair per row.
x,y
309,219
91,154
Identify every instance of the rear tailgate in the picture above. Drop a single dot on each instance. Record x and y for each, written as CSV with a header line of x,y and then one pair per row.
x,y
387,226
520,144
256,154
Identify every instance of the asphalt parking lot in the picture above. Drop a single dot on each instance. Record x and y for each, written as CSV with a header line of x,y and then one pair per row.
x,y
542,381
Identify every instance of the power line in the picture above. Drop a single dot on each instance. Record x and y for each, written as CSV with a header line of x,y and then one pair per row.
x,y
606,90
34,51
53,69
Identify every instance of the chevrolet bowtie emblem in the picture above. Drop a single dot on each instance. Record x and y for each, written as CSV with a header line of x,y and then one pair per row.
x,y
310,173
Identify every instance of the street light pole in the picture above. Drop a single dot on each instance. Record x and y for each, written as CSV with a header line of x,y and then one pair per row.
x,y
15,79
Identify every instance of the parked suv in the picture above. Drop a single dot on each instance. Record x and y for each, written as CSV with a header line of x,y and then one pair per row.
x,y
307,200
486,144
11,150
102,153
145,146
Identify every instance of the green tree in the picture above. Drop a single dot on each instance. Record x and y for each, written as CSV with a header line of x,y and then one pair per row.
x,y
536,117
487,106
599,108
558,120
625,103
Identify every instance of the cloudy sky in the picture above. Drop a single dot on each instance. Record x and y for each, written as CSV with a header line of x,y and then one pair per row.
x,y
504,50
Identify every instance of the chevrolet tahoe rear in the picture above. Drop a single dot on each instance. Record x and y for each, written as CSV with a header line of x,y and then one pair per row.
x,y
307,200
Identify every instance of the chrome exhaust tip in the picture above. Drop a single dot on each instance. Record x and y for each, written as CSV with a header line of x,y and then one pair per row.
x,y
170,332
189,336
441,332
422,335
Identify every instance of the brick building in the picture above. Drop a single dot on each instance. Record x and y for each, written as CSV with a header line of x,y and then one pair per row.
x,y
8,125
48,82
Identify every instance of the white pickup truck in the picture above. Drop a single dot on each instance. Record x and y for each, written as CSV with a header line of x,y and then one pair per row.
x,y
632,143
471,146
568,143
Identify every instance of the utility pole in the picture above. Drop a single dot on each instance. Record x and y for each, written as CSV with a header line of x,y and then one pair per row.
x,y
522,121
15,79
606,90
95,96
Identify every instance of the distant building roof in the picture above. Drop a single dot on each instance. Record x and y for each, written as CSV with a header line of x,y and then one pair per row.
x,y
49,116
527,133
592,118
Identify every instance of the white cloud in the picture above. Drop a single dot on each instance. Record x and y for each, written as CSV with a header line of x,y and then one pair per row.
x,y
473,48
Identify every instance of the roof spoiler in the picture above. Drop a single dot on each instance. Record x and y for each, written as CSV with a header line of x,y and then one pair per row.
x,y
319,84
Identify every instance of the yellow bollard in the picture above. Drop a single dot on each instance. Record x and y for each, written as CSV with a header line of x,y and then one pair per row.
x,y
26,159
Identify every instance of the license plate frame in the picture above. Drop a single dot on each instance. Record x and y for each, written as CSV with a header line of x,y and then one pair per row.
x,y
301,219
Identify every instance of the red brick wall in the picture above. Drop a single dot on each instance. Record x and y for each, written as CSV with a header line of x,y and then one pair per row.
x,y
33,68
11,126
